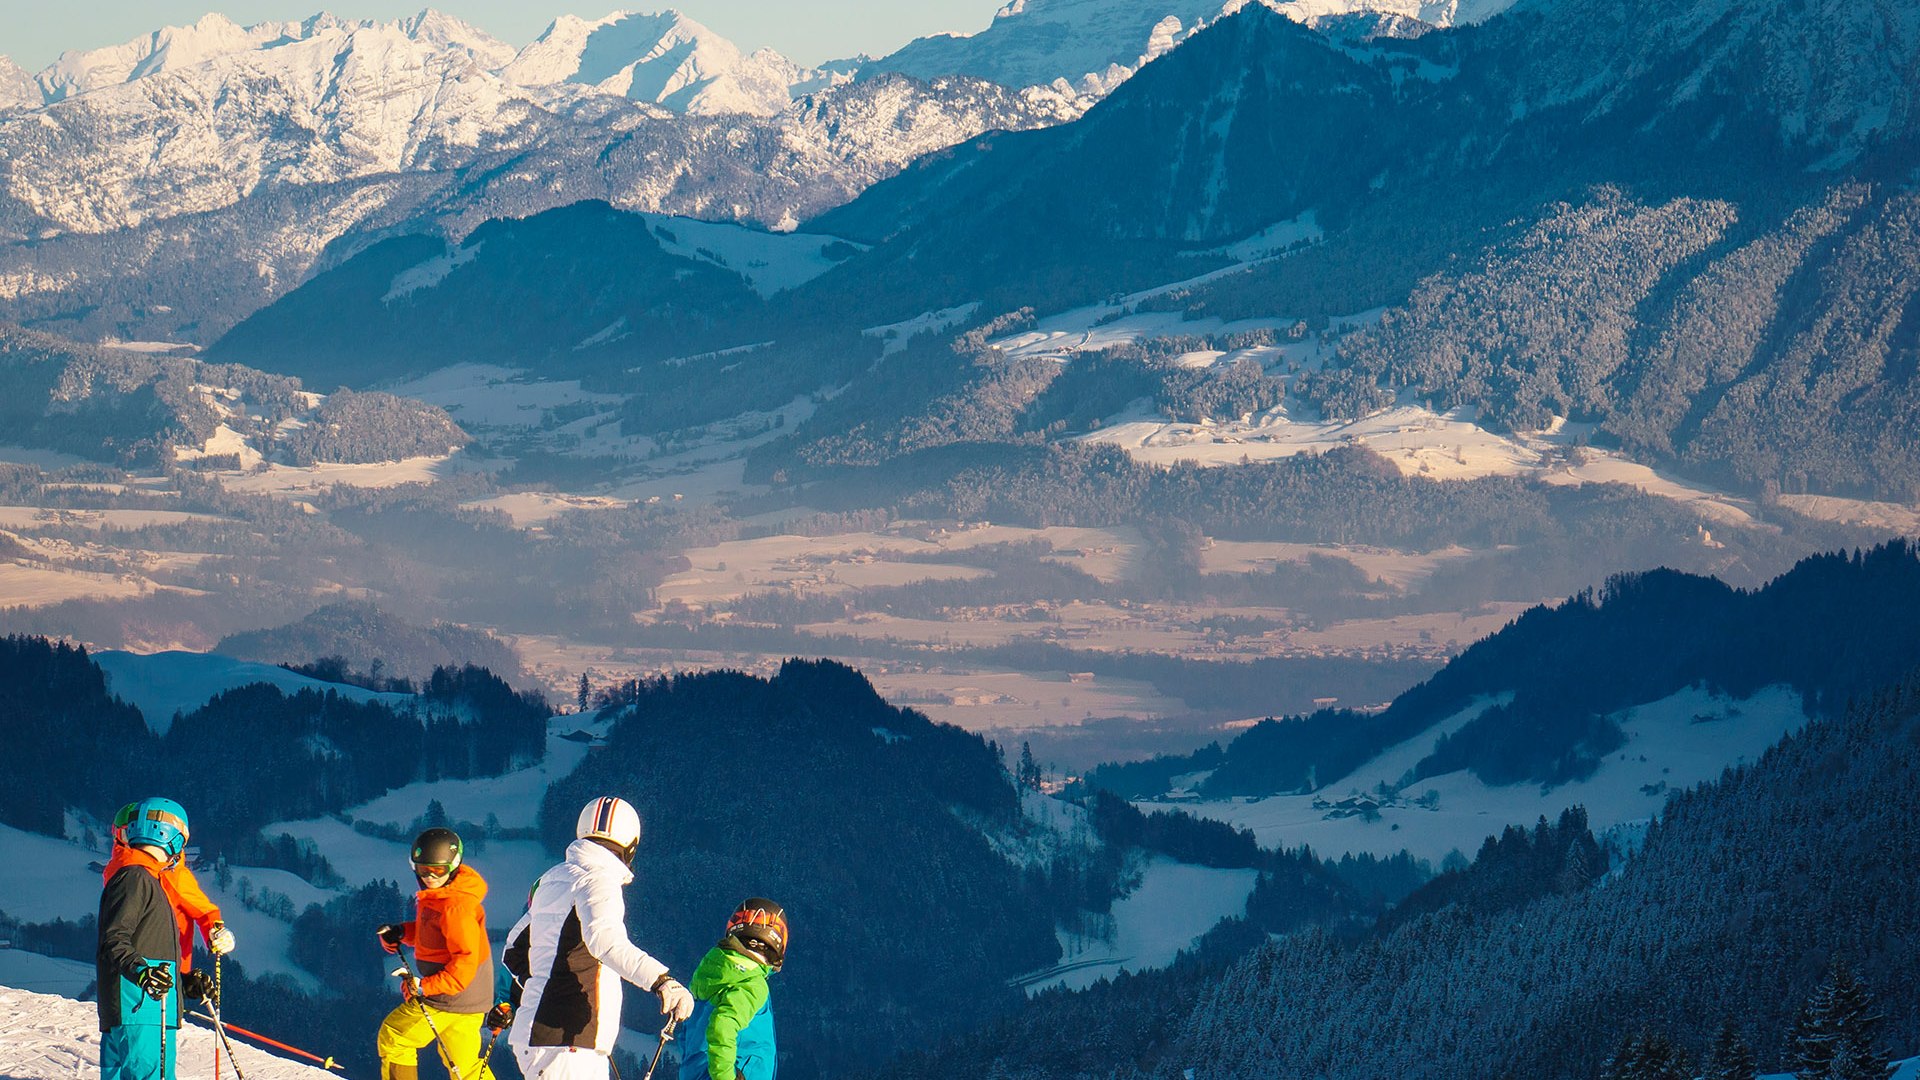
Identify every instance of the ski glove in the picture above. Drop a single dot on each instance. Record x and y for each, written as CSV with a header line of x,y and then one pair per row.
x,y
153,978
675,1001
220,939
391,935
499,1016
410,988
196,985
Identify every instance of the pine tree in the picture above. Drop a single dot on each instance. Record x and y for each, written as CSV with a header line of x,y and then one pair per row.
x,y
584,693
1834,1038
1730,1058
1029,768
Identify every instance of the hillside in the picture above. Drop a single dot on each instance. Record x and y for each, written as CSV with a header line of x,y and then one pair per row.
x,y
1540,701
1730,913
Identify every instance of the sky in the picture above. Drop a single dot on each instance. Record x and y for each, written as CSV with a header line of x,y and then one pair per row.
x,y
34,32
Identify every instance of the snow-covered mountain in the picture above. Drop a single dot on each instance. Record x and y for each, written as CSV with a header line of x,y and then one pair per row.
x,y
17,88
1091,46
239,155
667,59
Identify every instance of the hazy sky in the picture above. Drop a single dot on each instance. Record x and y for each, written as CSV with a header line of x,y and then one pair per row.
x,y
33,32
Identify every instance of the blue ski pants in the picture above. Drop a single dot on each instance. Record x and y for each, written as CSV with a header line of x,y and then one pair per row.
x,y
132,1052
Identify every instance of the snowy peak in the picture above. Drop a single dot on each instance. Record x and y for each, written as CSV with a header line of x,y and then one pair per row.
x,y
17,88
1091,46
215,37
666,59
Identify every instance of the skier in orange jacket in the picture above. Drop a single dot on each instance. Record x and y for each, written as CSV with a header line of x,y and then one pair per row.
x,y
191,906
455,988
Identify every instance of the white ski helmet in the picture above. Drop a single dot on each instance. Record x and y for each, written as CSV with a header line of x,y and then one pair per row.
x,y
613,822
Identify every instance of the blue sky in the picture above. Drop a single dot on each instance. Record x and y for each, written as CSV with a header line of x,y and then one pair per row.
x,y
806,30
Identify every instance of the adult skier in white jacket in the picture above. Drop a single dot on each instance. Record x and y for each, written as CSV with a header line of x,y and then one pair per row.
x,y
570,952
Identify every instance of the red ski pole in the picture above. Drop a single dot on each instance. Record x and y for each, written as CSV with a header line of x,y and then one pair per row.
x,y
325,1062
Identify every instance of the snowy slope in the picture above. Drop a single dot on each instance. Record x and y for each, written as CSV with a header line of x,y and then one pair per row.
x,y
1173,906
1091,46
163,684
44,1037
769,261
1672,744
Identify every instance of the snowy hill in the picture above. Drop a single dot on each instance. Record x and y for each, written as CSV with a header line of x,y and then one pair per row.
x,y
163,684
56,1038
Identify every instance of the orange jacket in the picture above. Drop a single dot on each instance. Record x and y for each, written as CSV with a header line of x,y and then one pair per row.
x,y
191,907
449,937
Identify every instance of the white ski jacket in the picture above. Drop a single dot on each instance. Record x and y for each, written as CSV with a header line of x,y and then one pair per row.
x,y
570,951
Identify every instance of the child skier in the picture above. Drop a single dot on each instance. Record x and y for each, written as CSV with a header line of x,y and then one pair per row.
x,y
454,985
139,949
191,907
730,1036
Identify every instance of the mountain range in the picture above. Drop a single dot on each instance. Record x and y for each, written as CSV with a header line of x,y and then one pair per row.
x,y
275,149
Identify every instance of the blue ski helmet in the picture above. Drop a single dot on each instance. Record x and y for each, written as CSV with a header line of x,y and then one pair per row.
x,y
161,823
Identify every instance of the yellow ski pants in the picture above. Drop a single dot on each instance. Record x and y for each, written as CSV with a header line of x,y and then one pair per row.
x,y
405,1031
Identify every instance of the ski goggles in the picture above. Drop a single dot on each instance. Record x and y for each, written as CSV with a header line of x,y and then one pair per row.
x,y
433,870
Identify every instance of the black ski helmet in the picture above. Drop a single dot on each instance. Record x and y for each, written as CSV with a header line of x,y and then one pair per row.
x,y
758,928
437,847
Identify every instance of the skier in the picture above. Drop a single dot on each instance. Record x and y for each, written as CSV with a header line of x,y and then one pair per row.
x,y
138,950
570,951
731,1034
446,998
191,906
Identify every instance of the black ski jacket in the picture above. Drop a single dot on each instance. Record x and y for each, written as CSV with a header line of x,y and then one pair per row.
x,y
136,925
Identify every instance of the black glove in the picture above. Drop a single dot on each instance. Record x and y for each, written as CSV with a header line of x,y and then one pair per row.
x,y
196,986
155,979
391,936
499,1016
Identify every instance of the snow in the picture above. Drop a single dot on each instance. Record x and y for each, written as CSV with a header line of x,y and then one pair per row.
x,y
49,1037
43,879
1173,906
484,395
431,272
37,586
1895,517
1275,239
224,440
769,261
1418,441
165,683
43,974
514,798
290,479
666,59
896,335
510,866
43,459
1672,744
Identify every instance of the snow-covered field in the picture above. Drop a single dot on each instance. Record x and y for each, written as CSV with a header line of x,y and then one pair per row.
x,y
48,1037
1672,744
162,684
306,479
23,585
1175,904
484,395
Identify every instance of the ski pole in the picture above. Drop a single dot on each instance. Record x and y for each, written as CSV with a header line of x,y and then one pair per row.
x,y
165,1073
325,1062
220,1031
406,969
666,1036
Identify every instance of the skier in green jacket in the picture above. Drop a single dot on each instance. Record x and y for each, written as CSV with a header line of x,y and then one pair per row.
x,y
730,1035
